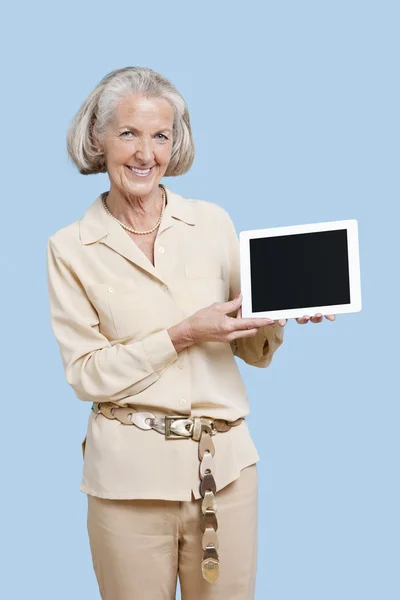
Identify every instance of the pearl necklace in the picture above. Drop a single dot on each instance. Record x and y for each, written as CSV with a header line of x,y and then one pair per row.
x,y
164,195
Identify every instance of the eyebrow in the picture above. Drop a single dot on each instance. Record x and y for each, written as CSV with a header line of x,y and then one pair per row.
x,y
161,130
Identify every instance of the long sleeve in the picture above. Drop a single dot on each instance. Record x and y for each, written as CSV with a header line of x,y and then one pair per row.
x,y
259,349
95,369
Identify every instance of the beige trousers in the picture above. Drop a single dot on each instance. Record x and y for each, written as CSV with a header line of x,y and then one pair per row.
x,y
140,547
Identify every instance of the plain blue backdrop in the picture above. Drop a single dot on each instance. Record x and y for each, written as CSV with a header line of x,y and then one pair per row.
x,y
295,114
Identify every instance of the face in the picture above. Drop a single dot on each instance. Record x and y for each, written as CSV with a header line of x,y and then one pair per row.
x,y
138,145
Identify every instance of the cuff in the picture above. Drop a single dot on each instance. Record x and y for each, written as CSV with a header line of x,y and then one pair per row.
x,y
274,335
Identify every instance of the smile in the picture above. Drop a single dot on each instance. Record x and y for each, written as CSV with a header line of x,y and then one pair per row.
x,y
140,172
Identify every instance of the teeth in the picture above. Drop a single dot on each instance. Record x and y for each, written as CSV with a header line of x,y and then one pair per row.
x,y
140,171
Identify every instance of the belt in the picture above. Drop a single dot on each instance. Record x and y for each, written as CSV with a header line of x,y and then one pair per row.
x,y
200,429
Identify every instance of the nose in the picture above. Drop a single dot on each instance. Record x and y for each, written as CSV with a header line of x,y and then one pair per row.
x,y
145,151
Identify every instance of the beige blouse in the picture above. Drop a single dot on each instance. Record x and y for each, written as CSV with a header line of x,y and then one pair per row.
x,y
110,310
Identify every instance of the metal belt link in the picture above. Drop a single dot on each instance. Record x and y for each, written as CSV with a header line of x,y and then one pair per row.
x,y
200,429
208,522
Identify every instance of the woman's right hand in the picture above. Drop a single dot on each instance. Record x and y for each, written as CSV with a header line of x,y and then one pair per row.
x,y
212,323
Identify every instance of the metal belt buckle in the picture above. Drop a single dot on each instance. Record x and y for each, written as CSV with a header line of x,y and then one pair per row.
x,y
201,424
178,426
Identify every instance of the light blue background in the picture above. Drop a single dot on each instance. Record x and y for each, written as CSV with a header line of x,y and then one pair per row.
x,y
295,113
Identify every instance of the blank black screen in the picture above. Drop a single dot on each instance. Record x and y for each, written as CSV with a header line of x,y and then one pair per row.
x,y
296,271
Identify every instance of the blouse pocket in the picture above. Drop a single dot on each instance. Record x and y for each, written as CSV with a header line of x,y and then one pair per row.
x,y
114,302
205,283
119,286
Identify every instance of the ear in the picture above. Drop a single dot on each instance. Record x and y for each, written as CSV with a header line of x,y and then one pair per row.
x,y
95,141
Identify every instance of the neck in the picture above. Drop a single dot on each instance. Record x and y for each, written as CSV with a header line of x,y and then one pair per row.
x,y
139,212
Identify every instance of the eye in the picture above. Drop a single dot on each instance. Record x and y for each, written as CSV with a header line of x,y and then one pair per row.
x,y
162,135
124,132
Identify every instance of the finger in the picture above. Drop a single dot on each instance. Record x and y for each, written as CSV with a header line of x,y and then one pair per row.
x,y
303,320
316,318
243,324
330,317
231,305
246,333
282,322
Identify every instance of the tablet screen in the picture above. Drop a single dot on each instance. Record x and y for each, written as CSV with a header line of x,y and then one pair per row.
x,y
300,270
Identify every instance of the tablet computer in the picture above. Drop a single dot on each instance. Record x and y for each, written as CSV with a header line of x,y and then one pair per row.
x,y
288,272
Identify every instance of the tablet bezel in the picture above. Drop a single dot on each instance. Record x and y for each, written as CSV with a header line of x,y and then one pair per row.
x,y
351,225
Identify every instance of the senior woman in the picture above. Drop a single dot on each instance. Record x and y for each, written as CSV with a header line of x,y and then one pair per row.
x,y
146,308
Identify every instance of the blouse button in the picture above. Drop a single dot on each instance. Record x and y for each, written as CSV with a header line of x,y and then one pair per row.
x,y
164,288
161,249
110,289
182,402
180,365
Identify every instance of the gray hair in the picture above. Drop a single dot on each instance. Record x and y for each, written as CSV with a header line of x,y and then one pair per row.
x,y
95,114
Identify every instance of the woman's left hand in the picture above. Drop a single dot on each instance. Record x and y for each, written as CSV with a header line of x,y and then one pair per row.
x,y
303,320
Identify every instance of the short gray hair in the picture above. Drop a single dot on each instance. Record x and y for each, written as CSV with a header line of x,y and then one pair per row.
x,y
95,114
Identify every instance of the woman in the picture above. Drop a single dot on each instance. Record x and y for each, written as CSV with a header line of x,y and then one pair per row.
x,y
146,308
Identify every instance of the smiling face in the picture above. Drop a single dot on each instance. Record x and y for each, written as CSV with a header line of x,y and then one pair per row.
x,y
138,145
